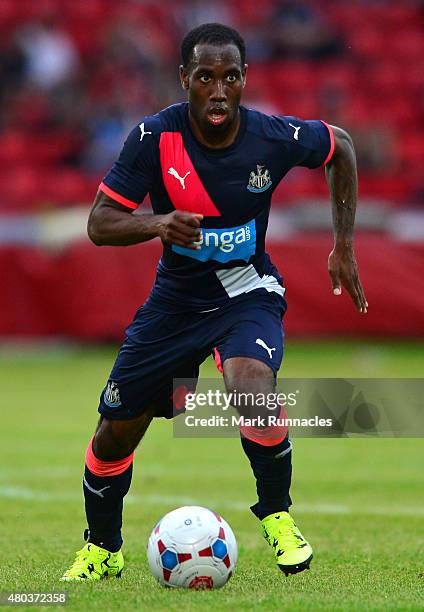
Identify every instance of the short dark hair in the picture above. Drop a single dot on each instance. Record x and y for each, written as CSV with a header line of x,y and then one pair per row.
x,y
213,34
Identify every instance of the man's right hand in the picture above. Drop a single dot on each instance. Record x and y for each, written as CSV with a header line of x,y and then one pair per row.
x,y
181,228
110,223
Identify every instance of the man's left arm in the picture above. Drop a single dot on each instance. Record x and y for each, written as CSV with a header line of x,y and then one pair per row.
x,y
342,180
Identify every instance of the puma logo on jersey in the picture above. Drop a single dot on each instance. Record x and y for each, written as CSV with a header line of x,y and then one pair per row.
x,y
175,174
263,345
143,131
296,130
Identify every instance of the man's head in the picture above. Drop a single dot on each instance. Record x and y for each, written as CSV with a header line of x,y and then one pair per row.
x,y
214,74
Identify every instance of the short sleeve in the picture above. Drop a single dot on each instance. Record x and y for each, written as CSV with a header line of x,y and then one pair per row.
x,y
131,176
310,143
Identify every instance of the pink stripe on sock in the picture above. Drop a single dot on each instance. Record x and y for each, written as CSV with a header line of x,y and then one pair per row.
x,y
105,468
266,436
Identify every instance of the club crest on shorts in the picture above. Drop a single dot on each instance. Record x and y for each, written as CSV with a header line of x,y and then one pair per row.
x,y
261,181
111,395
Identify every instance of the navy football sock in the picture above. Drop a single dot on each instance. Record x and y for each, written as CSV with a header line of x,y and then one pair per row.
x,y
104,497
272,468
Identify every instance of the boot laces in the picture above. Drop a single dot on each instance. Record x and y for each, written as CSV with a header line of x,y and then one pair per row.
x,y
288,530
80,563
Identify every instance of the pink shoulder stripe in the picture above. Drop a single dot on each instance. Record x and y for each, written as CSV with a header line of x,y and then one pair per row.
x,y
116,196
332,142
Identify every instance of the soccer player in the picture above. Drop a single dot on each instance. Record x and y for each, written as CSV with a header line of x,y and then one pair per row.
x,y
210,166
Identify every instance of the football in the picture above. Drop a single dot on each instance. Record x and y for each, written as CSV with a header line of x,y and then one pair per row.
x,y
192,547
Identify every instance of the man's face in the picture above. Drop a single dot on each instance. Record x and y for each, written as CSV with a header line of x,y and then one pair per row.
x,y
214,79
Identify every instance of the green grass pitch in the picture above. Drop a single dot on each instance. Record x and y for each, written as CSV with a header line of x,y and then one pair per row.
x,y
358,501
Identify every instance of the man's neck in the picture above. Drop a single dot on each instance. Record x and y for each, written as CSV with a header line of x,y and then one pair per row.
x,y
216,140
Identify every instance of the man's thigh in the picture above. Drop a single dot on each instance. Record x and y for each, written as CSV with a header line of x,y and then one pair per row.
x,y
256,332
157,349
160,348
250,356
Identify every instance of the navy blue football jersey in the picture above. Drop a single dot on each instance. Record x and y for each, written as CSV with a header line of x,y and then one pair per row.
x,y
232,187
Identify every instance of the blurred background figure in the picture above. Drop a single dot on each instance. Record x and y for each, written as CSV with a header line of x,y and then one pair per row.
x,y
50,55
76,76
299,32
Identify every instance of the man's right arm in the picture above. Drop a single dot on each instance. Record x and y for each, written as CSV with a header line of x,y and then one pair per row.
x,y
113,224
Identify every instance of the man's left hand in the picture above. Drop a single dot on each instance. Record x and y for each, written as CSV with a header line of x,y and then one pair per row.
x,y
343,271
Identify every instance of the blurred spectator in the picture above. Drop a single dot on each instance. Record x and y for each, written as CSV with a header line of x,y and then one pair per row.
x,y
12,66
298,32
374,147
197,12
50,54
108,132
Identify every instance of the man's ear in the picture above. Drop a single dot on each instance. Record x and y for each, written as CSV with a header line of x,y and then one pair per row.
x,y
244,74
184,78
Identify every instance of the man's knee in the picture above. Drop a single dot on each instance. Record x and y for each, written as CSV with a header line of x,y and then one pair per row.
x,y
250,381
247,375
115,440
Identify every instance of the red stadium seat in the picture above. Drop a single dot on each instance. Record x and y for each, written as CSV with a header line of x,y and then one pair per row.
x,y
377,80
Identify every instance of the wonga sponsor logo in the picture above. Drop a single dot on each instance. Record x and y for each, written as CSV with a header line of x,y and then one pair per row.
x,y
224,244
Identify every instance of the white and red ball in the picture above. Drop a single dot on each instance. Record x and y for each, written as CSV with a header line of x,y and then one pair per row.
x,y
192,547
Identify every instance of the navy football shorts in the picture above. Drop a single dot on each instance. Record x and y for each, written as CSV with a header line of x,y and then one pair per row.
x,y
160,347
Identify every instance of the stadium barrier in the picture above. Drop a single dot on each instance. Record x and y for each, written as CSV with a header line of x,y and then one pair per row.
x,y
90,293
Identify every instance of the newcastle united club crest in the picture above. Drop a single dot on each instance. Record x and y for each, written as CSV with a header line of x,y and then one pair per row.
x,y
261,181
111,395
